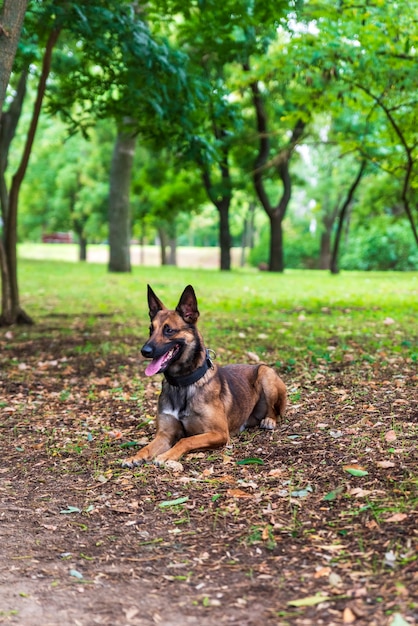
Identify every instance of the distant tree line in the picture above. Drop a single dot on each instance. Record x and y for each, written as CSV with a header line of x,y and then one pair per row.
x,y
295,121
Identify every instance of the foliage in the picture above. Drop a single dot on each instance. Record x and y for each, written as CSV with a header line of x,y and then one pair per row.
x,y
381,245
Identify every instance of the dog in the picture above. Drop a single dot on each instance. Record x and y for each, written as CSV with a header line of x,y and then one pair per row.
x,y
201,405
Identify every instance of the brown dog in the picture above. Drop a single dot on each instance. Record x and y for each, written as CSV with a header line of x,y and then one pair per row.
x,y
201,404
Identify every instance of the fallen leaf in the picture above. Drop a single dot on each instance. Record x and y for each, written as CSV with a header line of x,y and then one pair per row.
x,y
175,466
398,620
358,492
253,356
309,601
71,509
397,517
332,495
385,464
301,493
238,493
275,472
250,462
322,571
390,436
355,470
181,500
348,616
335,580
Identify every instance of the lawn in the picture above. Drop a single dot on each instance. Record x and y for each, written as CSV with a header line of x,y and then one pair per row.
x,y
313,524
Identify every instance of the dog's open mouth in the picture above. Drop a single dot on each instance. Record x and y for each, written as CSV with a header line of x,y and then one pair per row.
x,y
160,363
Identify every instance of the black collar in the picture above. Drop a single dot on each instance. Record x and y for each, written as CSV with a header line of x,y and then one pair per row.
x,y
190,379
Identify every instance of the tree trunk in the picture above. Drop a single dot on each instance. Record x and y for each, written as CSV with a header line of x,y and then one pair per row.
x,y
335,251
172,255
8,124
281,161
162,235
119,209
276,255
11,310
11,20
222,201
325,250
224,234
247,232
82,248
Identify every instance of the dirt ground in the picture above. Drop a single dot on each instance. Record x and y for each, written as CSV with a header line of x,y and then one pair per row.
x,y
275,529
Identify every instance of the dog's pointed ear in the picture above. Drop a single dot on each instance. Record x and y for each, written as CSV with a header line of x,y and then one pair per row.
x,y
187,306
154,303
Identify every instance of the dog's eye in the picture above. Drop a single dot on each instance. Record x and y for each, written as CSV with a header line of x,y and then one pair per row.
x,y
168,330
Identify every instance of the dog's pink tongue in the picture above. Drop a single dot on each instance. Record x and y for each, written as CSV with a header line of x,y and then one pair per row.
x,y
154,367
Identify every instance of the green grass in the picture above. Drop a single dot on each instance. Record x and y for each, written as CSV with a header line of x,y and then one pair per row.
x,y
291,314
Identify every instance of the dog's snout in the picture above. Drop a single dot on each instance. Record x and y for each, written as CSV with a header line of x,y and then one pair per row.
x,y
147,351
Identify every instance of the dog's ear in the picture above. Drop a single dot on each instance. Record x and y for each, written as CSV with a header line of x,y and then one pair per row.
x,y
154,303
187,306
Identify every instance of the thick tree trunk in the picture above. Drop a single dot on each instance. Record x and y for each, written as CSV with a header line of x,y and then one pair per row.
x,y
172,254
276,255
11,310
119,209
82,248
11,20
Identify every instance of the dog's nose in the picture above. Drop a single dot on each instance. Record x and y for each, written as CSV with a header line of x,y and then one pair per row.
x,y
147,351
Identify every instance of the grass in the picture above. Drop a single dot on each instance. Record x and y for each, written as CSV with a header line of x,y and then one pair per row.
x,y
298,313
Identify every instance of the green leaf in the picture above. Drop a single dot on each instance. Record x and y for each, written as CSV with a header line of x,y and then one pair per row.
x,y
398,620
71,509
250,461
129,444
354,471
332,495
173,502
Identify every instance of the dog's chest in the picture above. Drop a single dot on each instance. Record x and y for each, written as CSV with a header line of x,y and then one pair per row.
x,y
177,401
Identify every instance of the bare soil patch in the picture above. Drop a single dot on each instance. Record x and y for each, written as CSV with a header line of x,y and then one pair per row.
x,y
274,529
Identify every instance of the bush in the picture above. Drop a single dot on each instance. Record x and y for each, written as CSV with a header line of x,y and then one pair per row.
x,y
301,248
383,245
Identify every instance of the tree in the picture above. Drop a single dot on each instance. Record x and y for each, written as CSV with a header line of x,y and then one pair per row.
x,y
119,211
11,309
11,19
103,48
368,48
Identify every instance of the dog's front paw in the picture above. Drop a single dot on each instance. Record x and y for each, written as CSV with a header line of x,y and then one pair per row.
x,y
132,462
175,466
268,423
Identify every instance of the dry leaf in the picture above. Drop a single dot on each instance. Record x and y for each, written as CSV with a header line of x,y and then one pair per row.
x,y
397,517
238,493
390,436
385,464
322,571
253,356
358,492
348,616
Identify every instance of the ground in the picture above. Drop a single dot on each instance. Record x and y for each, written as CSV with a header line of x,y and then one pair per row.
x,y
313,524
